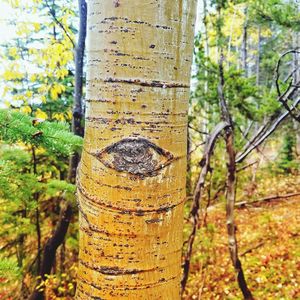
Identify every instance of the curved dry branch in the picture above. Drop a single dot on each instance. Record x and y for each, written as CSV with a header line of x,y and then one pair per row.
x,y
277,68
292,86
205,164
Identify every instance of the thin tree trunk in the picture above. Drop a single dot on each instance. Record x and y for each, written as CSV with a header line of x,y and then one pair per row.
x,y
296,66
230,191
77,121
37,214
21,256
206,53
230,36
50,250
39,236
231,174
244,43
258,56
132,176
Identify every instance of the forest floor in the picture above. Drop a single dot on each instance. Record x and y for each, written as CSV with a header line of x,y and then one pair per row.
x,y
269,248
268,236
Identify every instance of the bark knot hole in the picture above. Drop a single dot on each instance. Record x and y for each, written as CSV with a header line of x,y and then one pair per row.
x,y
137,156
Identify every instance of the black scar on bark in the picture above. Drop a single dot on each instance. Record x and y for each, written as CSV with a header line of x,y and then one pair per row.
x,y
136,156
117,3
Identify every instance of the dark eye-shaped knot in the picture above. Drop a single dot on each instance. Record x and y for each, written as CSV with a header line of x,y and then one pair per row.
x,y
136,156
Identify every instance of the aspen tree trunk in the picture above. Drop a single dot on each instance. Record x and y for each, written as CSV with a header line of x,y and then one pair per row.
x,y
131,181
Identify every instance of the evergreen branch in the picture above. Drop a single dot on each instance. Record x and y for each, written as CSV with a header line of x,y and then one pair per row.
x,y
55,137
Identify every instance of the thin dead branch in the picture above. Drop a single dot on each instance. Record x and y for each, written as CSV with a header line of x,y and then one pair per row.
x,y
267,133
247,166
252,249
244,204
293,86
205,168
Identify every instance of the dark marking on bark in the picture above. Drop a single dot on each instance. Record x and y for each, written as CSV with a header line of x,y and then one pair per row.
x,y
163,27
151,221
117,53
138,212
153,83
117,3
136,156
114,271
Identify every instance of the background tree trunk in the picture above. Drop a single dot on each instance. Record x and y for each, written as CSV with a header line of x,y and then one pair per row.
x,y
131,181
77,120
296,67
245,44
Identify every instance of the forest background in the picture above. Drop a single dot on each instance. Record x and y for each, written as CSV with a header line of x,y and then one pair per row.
x,y
253,47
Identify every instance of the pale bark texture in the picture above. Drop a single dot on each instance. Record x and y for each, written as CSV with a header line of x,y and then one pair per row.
x,y
131,181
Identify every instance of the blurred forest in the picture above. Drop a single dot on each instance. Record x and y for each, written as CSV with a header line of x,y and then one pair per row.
x,y
247,53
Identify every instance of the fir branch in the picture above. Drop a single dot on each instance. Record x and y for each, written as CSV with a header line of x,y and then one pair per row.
x,y
55,137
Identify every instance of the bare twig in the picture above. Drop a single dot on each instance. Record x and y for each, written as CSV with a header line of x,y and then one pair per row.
x,y
52,13
246,132
277,69
250,142
253,248
247,166
196,147
243,204
274,121
197,130
292,87
262,138
220,190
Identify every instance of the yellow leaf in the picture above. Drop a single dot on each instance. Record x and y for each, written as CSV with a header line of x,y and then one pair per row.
x,y
28,94
32,78
53,94
26,109
40,114
59,117
36,26
69,115
13,52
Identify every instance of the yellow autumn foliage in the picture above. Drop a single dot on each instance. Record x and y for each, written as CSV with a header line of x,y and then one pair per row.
x,y
41,114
